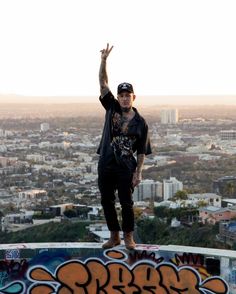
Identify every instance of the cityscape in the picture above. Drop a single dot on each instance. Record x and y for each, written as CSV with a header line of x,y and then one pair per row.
x,y
48,166
177,59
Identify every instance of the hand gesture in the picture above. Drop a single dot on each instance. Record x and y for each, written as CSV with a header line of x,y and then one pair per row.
x,y
105,52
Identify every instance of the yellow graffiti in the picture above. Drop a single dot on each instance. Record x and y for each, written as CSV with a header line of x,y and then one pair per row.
x,y
94,276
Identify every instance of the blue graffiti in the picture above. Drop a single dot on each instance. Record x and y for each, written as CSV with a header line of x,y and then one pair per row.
x,y
13,288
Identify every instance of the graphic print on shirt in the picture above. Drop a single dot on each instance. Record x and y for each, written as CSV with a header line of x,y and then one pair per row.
x,y
122,143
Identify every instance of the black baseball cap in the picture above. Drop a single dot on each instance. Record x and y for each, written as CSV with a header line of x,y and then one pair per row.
x,y
125,87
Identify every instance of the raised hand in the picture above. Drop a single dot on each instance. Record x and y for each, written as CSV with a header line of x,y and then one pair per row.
x,y
105,52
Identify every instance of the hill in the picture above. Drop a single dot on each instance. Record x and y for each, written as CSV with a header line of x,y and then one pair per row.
x,y
50,232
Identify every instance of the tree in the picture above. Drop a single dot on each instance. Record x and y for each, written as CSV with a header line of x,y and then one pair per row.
x,y
229,189
201,203
161,211
180,195
137,213
70,213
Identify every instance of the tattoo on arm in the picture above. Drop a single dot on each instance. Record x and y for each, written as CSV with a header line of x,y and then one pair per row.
x,y
140,162
103,78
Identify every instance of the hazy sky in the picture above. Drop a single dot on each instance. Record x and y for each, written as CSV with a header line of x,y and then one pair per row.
x,y
163,47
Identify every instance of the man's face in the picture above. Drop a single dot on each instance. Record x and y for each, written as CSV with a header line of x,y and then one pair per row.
x,y
126,100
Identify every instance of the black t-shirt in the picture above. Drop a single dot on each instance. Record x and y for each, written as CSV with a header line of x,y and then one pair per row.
x,y
117,147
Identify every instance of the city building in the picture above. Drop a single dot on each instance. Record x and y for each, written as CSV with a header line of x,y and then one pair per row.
x,y
7,161
44,127
228,135
16,218
100,232
59,209
35,157
169,116
148,189
170,187
28,198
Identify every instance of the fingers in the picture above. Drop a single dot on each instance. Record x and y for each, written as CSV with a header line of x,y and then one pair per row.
x,y
107,50
110,50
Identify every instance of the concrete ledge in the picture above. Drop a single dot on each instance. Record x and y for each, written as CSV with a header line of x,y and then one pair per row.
x,y
86,268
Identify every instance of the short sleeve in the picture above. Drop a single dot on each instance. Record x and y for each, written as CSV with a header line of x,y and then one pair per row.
x,y
107,101
144,145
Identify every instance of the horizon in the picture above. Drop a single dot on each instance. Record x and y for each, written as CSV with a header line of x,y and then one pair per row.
x,y
168,100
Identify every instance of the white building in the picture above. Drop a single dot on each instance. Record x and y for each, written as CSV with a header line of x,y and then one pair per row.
x,y
7,161
27,198
100,232
170,187
169,116
8,133
35,157
82,156
31,194
3,148
210,199
228,135
16,218
44,127
147,189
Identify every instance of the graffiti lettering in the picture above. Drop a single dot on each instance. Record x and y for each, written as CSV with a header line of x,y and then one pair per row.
x,y
14,267
3,278
147,279
136,255
95,276
194,260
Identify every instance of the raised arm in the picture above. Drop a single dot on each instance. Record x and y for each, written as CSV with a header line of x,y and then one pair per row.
x,y
103,77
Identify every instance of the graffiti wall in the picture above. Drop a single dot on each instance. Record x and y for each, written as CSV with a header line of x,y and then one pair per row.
x,y
81,268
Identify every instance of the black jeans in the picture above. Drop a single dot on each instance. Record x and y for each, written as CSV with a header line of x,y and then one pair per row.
x,y
120,179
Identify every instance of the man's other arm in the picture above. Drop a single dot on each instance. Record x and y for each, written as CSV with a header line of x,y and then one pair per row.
x,y
137,177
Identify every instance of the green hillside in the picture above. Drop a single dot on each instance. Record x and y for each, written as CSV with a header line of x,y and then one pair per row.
x,y
50,232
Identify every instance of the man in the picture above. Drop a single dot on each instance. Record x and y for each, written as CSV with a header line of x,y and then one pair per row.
x,y
125,132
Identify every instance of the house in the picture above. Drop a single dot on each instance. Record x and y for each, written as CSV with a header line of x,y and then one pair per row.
x,y
212,214
27,198
210,199
99,232
59,209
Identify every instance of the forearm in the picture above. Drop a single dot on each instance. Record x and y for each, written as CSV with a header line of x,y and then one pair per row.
x,y
137,176
103,77
140,162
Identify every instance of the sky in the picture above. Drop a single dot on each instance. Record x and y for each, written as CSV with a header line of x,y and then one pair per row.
x,y
163,47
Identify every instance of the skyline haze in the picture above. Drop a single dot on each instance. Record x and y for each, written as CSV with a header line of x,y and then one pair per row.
x,y
173,100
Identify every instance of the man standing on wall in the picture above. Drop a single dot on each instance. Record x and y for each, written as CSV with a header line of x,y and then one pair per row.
x,y
125,132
